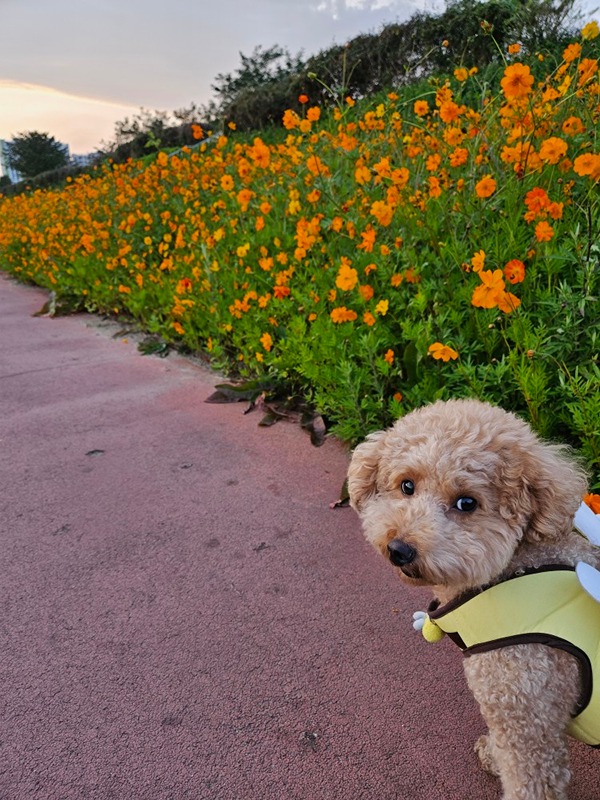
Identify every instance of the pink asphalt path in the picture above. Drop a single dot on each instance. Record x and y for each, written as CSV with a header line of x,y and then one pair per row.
x,y
183,615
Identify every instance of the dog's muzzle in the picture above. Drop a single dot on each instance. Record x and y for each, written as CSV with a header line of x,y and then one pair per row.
x,y
401,553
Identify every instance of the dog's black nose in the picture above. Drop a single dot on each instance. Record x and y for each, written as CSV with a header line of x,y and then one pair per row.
x,y
400,553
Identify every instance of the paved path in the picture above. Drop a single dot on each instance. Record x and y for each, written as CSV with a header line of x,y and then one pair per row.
x,y
182,615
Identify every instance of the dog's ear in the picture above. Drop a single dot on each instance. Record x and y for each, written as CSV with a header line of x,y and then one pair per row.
x,y
543,490
362,472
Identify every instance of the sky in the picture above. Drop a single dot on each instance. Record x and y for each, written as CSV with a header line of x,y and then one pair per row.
x,y
73,68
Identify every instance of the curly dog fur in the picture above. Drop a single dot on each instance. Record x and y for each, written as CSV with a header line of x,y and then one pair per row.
x,y
414,484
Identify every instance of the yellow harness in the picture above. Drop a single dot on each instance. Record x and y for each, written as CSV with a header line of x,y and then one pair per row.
x,y
547,606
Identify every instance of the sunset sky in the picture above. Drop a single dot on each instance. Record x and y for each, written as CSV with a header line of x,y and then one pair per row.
x,y
73,69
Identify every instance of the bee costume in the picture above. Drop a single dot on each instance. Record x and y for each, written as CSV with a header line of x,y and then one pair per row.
x,y
555,605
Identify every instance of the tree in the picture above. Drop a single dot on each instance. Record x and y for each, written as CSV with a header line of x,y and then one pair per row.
x,y
33,153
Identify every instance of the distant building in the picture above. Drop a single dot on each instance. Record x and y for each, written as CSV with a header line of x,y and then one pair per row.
x,y
83,160
5,169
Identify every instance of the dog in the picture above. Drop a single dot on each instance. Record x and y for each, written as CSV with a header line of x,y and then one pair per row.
x,y
463,497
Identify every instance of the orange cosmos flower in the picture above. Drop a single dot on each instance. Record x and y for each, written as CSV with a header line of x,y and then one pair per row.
x,y
449,111
303,99
513,49
389,357
461,74
572,126
266,341
572,52
290,119
514,271
368,319
517,81
313,114
485,187
347,278
421,108
281,291
543,231
435,190
442,352
459,156
507,302
588,164
433,161
587,68
366,292
593,501
317,167
243,197
537,200
552,150
368,237
488,294
478,261
342,314
382,212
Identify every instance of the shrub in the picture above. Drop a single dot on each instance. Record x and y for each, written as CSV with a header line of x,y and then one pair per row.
x,y
436,243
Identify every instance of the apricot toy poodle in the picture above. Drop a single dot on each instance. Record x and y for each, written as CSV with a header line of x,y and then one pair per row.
x,y
464,498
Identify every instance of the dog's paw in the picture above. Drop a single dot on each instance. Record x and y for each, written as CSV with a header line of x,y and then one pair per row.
x,y
483,750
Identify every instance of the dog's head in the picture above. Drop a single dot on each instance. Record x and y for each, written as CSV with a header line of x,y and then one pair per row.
x,y
452,489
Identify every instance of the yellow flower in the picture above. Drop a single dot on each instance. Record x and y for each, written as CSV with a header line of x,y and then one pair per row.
x,y
382,307
590,31
442,351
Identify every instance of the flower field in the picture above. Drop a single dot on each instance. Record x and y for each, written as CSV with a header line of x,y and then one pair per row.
x,y
440,241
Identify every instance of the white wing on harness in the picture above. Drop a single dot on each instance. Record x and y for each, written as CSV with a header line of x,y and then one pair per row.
x,y
588,523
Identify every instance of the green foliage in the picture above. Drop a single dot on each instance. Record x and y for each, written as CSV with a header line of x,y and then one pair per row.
x,y
270,80
33,153
436,241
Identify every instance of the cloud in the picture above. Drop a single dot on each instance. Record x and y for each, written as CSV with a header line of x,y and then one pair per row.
x,y
338,7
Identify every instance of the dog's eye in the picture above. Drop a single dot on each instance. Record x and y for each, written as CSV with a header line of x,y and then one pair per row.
x,y
408,487
466,504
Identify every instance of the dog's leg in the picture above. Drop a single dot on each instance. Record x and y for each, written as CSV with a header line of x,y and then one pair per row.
x,y
483,748
526,694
